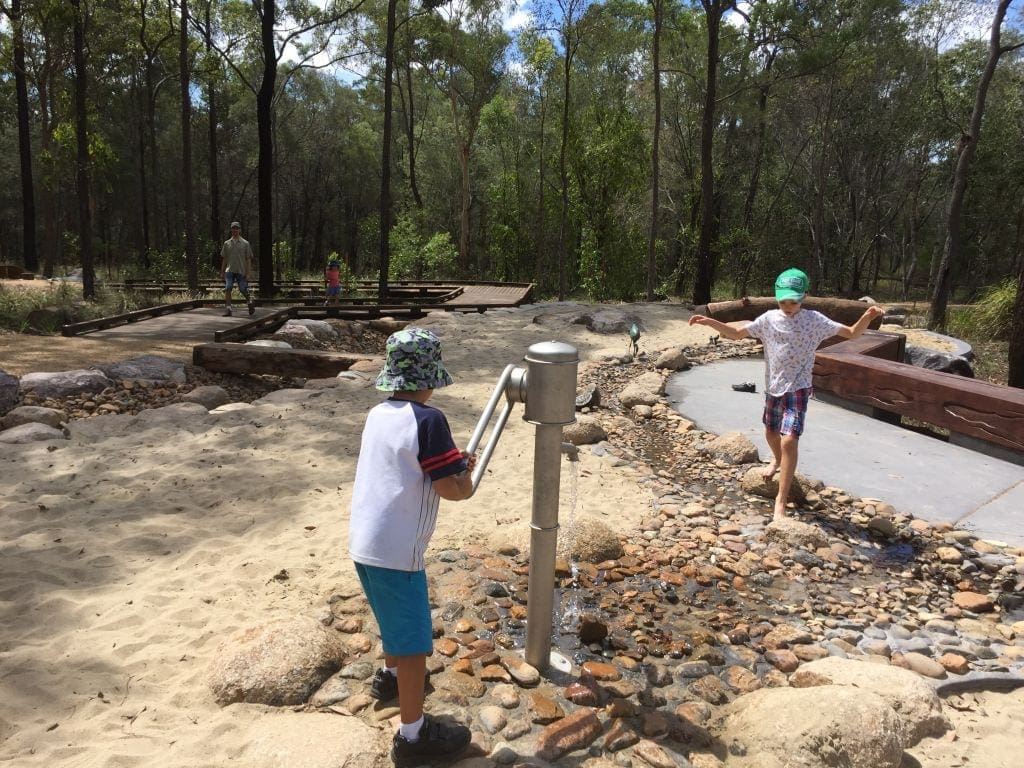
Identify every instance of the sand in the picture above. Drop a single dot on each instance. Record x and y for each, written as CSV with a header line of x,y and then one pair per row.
x,y
129,554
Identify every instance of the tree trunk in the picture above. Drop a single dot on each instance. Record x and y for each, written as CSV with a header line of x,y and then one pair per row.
x,y
952,251
563,172
539,238
211,102
410,123
30,257
1016,350
82,155
652,243
707,245
191,257
385,156
265,163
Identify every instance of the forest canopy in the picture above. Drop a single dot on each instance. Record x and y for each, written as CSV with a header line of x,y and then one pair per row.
x,y
611,149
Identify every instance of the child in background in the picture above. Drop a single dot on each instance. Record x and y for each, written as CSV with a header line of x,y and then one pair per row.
x,y
407,463
790,335
332,278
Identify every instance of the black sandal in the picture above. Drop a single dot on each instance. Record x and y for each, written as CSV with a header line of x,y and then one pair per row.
x,y
746,386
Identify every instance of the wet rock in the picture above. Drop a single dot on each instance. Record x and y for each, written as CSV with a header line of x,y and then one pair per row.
x,y
573,732
795,534
460,684
543,709
784,636
653,755
492,718
621,734
600,671
710,689
592,629
523,673
593,542
783,660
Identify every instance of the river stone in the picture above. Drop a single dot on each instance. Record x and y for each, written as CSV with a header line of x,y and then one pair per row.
x,y
646,389
755,483
209,397
794,533
148,368
585,431
64,383
913,699
30,433
321,329
592,542
810,728
570,733
9,387
735,448
673,359
279,664
32,414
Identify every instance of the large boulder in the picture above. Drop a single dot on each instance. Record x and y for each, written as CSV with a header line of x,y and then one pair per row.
x,y
673,359
584,431
914,700
210,396
646,389
733,448
321,329
9,388
279,664
592,542
608,320
755,483
32,414
923,357
810,728
31,433
147,368
64,383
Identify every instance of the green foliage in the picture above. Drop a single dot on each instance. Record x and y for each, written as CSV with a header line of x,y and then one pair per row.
x,y
62,302
989,318
414,256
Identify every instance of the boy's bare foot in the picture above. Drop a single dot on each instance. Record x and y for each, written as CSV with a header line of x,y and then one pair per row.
x,y
780,510
770,470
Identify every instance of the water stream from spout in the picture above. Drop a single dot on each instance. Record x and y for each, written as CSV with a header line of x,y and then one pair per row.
x,y
570,605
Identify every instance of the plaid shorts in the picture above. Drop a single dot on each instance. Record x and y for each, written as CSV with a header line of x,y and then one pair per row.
x,y
785,414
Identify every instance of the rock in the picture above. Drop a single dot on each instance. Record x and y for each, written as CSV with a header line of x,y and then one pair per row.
x,y
147,368
810,728
570,733
269,343
594,542
387,325
883,525
673,359
321,329
923,357
209,397
295,335
913,699
653,755
32,414
734,448
64,383
794,533
588,396
286,396
646,389
950,555
30,433
543,709
601,671
608,320
955,663
585,431
972,601
9,388
281,663
523,673
492,718
924,665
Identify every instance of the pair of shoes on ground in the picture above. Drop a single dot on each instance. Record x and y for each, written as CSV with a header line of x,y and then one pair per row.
x,y
437,739
746,386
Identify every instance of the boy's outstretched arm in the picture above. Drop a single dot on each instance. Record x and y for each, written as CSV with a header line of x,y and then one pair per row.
x,y
855,330
728,331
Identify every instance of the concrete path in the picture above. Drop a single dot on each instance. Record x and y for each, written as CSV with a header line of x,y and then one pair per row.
x,y
917,474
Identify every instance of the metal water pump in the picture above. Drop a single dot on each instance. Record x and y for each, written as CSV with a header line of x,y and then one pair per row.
x,y
547,386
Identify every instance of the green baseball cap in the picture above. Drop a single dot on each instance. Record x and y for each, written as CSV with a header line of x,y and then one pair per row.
x,y
791,285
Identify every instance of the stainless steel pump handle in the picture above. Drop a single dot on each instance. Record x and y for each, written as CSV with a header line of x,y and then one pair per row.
x,y
511,384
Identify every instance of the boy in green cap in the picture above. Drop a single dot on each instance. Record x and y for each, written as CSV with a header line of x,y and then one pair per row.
x,y
790,335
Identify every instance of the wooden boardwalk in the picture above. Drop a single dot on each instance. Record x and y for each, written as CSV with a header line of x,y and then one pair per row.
x,y
205,323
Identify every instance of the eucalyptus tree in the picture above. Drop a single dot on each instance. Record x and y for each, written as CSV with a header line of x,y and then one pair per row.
x,y
467,59
267,31
13,11
81,24
952,251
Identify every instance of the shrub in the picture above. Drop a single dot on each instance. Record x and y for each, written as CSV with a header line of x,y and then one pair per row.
x,y
989,317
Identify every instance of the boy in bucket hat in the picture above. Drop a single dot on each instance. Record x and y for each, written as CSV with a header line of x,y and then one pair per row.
x,y
790,335
407,463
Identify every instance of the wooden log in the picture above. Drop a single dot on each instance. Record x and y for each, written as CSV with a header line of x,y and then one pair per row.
x,y
843,311
979,409
299,363
880,344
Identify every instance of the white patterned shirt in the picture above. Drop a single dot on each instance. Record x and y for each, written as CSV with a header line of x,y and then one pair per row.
x,y
789,346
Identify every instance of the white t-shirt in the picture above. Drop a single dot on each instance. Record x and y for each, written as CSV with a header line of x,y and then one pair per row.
x,y
405,447
789,345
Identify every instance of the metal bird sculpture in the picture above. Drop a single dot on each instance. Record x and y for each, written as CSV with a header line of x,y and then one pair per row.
x,y
634,339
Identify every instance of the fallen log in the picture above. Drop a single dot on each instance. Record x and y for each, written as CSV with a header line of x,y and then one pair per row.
x,y
845,311
277,361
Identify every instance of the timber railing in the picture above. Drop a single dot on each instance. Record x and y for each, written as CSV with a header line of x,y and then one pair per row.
x,y
869,371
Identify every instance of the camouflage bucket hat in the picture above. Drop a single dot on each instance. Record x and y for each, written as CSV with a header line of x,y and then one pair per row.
x,y
413,362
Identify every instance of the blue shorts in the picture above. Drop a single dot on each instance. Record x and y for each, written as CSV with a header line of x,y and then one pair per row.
x,y
333,290
235,278
785,414
400,605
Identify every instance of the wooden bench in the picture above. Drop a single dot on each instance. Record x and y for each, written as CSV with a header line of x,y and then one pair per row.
x,y
865,372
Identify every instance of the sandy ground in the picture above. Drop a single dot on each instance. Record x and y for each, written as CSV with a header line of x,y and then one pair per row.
x,y
129,554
